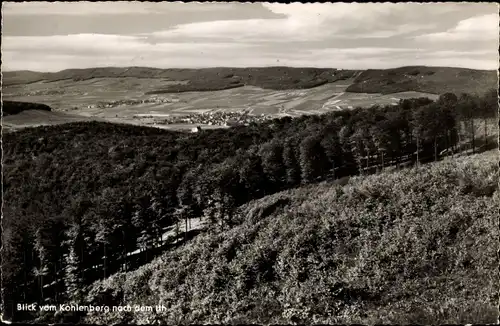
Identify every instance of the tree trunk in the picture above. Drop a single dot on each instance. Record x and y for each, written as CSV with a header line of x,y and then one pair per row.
x,y
383,161
418,149
447,142
104,266
124,252
186,224
223,213
56,280
61,269
459,137
25,269
410,142
81,263
451,144
473,137
41,286
435,148
485,133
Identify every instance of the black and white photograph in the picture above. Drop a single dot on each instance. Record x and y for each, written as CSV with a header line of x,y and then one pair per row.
x,y
250,163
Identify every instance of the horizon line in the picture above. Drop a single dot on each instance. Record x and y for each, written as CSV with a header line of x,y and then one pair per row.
x,y
246,67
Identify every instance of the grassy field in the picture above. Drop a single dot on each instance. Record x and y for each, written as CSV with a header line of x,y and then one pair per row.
x,y
34,118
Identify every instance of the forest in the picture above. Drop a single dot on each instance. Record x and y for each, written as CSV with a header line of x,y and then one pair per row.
x,y
13,107
204,79
79,197
424,79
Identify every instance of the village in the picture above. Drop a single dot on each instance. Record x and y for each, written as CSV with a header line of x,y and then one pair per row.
x,y
152,100
215,118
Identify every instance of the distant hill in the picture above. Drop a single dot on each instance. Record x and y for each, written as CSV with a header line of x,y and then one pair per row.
x,y
436,80
13,107
206,79
21,77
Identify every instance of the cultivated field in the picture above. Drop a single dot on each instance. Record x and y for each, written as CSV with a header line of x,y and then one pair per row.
x,y
35,118
125,100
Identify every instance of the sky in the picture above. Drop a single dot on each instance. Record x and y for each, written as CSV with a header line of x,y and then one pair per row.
x,y
45,36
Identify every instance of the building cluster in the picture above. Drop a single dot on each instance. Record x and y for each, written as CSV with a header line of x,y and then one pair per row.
x,y
153,100
43,92
218,118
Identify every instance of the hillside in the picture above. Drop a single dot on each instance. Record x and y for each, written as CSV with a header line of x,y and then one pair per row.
x,y
21,77
206,79
19,115
80,197
328,253
13,107
436,80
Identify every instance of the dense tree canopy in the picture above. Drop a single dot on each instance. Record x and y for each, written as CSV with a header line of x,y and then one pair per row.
x,y
81,197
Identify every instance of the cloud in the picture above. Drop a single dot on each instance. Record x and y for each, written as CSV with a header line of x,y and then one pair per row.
x,y
102,43
73,8
249,30
83,8
63,43
343,35
102,49
483,27
80,51
363,19
313,22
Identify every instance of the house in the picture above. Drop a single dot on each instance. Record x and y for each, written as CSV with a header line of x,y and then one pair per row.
x,y
232,123
196,129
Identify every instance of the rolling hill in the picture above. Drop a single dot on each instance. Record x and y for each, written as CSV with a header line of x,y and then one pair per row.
x,y
206,79
435,80
18,115
14,107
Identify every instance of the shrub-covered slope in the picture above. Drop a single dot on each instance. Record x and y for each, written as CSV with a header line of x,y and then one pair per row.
x,y
414,246
434,80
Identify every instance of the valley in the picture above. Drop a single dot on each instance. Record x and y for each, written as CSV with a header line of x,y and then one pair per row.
x,y
128,100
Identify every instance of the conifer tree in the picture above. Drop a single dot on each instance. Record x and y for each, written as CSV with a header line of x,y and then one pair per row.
x,y
73,280
42,248
272,163
291,164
